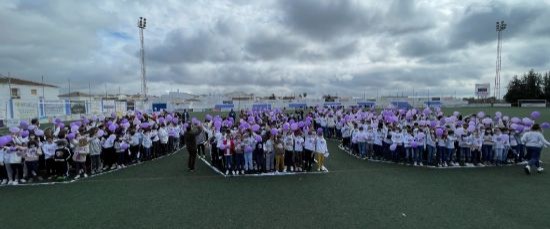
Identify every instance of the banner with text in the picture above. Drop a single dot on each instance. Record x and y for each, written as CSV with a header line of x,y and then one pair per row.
x,y
24,109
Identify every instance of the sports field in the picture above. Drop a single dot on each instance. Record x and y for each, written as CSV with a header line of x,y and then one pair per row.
x,y
355,194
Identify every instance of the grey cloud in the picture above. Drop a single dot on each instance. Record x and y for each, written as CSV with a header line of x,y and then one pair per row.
x,y
478,26
269,47
178,47
309,46
326,20
419,46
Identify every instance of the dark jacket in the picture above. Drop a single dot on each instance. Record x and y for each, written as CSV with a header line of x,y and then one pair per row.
x,y
190,139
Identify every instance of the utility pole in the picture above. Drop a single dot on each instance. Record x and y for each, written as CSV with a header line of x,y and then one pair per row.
x,y
43,97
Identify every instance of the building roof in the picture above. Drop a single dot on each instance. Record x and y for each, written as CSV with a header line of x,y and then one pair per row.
x,y
16,81
74,94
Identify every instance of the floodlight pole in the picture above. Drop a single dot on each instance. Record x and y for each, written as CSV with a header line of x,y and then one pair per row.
x,y
501,26
141,25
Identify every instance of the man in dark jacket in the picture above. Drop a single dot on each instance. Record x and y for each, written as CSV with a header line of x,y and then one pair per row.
x,y
185,115
190,138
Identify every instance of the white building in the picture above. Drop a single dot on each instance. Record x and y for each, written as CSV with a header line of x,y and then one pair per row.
x,y
15,88
75,96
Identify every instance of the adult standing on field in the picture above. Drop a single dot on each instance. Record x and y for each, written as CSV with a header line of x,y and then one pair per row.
x,y
185,115
534,141
232,114
190,138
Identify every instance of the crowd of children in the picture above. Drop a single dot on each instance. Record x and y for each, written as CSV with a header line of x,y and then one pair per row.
x,y
429,138
268,141
87,146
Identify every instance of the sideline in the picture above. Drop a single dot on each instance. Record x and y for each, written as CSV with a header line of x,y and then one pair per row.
x,y
72,180
324,171
467,166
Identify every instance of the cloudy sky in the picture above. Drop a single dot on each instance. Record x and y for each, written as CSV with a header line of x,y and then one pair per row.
x,y
288,46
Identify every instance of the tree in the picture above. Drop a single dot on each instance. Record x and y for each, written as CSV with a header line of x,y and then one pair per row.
x,y
530,86
533,82
546,86
514,92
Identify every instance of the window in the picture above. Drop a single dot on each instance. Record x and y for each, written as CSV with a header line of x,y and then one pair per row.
x,y
15,93
34,92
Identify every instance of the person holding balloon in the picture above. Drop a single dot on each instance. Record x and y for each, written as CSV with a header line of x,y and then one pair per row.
x,y
95,150
109,152
534,141
321,150
81,151
61,159
121,148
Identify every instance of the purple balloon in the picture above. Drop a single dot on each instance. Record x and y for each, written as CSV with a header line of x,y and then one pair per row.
x,y
39,133
144,125
274,132
126,125
14,130
319,131
393,147
24,125
535,115
545,125
258,138
427,111
71,136
294,126
4,140
124,146
481,114
112,127
439,132
217,124
520,128
487,121
286,126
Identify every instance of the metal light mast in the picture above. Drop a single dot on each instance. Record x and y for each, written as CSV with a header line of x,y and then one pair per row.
x,y
141,25
501,26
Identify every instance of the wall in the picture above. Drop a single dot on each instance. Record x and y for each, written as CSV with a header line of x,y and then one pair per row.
x,y
25,92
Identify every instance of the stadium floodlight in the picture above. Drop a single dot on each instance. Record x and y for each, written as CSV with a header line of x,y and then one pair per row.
x,y
500,26
142,23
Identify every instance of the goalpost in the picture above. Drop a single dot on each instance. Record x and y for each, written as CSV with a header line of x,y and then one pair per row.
x,y
532,103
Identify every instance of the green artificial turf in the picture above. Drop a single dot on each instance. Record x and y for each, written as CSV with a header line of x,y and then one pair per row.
x,y
355,194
